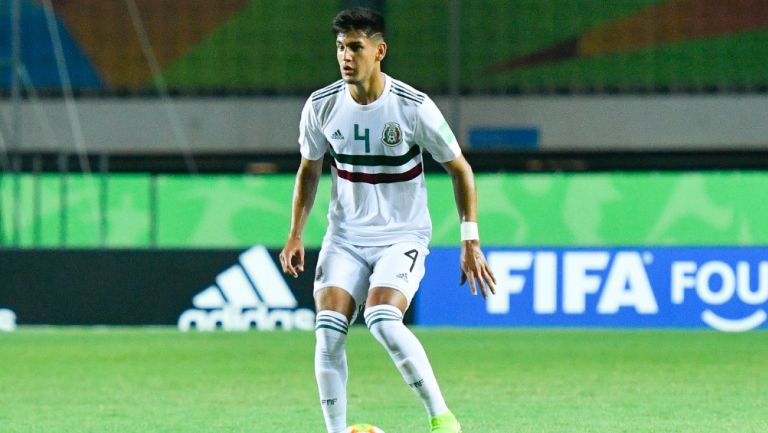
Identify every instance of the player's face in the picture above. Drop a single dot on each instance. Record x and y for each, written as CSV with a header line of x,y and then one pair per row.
x,y
359,56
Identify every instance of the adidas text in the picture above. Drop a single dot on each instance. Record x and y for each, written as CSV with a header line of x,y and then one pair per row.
x,y
237,319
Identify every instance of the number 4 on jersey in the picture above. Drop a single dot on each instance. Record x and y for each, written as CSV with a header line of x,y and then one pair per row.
x,y
365,137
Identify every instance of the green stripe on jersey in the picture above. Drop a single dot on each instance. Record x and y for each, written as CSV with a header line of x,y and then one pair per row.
x,y
372,160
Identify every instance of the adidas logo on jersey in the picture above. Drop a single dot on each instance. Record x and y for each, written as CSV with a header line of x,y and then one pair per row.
x,y
7,320
337,135
403,276
250,294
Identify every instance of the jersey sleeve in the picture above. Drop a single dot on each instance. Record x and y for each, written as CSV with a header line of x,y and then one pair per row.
x,y
312,141
434,134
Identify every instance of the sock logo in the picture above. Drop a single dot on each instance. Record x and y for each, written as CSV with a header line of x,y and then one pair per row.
x,y
7,320
249,294
416,385
329,402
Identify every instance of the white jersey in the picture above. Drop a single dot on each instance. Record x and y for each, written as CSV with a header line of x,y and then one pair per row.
x,y
378,196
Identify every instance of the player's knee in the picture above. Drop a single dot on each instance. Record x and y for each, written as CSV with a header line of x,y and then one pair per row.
x,y
335,299
387,296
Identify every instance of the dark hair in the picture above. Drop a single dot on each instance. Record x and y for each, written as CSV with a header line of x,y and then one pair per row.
x,y
365,20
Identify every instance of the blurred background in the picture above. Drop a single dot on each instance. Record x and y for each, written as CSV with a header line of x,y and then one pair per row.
x,y
137,127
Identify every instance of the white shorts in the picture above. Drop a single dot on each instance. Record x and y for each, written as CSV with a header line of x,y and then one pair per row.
x,y
356,269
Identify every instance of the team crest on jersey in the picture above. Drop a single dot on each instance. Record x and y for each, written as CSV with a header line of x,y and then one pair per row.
x,y
392,134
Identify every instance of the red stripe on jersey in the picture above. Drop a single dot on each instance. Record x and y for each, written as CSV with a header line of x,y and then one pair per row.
x,y
375,178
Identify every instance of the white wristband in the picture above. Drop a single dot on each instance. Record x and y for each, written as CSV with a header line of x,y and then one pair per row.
x,y
469,231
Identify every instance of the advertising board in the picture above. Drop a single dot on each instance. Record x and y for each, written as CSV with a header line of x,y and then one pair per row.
x,y
725,288
192,289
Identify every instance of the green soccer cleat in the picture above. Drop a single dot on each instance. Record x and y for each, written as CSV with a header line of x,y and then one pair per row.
x,y
445,423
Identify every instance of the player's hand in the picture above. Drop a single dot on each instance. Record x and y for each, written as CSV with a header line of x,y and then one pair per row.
x,y
294,248
475,269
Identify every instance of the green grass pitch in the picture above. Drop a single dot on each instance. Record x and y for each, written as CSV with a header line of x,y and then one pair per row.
x,y
139,380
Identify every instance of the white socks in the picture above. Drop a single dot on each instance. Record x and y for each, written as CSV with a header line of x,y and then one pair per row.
x,y
331,368
386,325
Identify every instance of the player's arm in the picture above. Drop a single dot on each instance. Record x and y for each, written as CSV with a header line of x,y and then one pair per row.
x,y
473,264
304,191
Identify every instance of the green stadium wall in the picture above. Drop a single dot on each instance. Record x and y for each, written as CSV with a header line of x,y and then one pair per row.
x,y
229,211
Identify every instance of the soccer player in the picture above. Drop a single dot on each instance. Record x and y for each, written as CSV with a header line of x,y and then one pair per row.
x,y
374,128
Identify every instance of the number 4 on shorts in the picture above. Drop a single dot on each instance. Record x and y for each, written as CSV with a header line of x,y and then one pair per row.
x,y
412,254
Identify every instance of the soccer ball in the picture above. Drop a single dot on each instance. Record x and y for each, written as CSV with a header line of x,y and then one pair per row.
x,y
363,428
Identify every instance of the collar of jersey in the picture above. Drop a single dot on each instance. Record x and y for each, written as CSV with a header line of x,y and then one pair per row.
x,y
375,104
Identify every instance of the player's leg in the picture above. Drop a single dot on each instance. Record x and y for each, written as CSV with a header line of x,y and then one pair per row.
x,y
336,287
334,310
394,282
